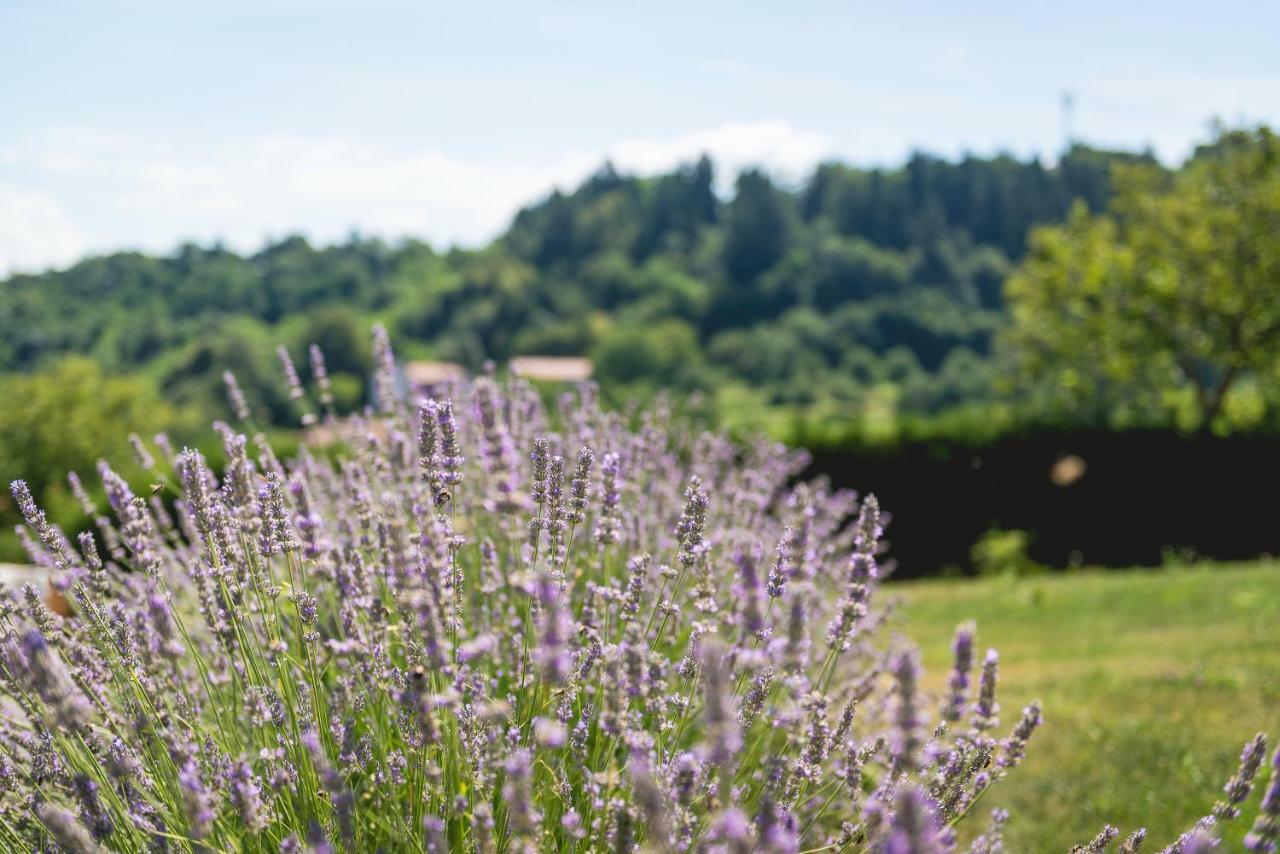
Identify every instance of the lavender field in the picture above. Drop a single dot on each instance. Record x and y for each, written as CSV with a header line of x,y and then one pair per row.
x,y
481,624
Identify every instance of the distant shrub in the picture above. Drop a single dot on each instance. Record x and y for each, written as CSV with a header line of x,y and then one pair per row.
x,y
488,628
1000,552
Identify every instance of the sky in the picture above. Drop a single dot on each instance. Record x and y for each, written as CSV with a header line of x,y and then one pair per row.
x,y
142,125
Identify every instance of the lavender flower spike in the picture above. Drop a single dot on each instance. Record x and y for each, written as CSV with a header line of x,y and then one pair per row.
x,y
905,745
958,682
1133,842
992,839
986,710
1099,843
607,525
49,535
1014,748
1240,785
1264,838
914,828
578,486
724,739
45,676
1199,842
67,830
197,800
320,373
235,395
451,459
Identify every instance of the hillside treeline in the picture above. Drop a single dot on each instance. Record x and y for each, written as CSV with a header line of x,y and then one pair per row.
x,y
857,289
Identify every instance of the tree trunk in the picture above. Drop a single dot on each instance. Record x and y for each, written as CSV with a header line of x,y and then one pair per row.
x,y
1210,410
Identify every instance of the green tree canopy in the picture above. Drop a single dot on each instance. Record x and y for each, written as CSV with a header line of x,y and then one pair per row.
x,y
1169,301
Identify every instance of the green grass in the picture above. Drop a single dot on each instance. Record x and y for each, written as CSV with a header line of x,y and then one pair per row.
x,y
1152,680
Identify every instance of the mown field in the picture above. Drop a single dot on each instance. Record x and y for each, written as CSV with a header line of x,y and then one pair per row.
x,y
1152,680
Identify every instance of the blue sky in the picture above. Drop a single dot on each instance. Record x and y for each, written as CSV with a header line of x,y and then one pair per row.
x,y
141,124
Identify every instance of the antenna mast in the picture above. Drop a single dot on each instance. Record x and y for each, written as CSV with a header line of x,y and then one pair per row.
x,y
1068,121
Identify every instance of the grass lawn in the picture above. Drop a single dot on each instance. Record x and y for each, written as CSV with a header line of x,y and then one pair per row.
x,y
1152,680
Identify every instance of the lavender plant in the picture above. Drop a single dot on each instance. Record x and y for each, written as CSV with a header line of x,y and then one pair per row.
x,y
488,627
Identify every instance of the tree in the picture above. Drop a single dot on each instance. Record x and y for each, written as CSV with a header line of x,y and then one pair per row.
x,y
678,205
66,418
665,353
342,334
1176,290
759,228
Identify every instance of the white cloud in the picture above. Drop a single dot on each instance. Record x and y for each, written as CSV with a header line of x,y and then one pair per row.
x,y
147,193
35,232
775,145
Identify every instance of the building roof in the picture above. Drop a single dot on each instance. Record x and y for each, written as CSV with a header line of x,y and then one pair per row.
x,y
14,575
344,429
420,374
562,369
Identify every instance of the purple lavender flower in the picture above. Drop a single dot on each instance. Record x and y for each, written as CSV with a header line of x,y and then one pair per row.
x,y
1264,838
750,594
992,839
197,800
651,799
549,733
906,741
320,373
914,828
50,537
92,812
693,523
140,453
1240,785
451,459
1099,843
797,642
1199,842
339,794
541,458
781,570
196,486
239,406
277,534
140,537
290,373
89,551
608,524
552,652
66,830
555,512
868,529
754,699
45,676
723,737
384,377
246,796
986,710
958,682
1133,842
516,791
578,487
733,828
1014,748
162,622
636,584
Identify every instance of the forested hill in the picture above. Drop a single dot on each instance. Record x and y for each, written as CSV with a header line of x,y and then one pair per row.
x,y
854,285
